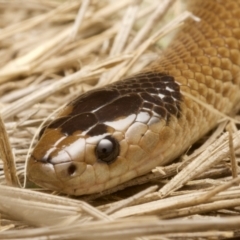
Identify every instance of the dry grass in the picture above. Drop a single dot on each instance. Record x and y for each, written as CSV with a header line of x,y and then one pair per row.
x,y
50,52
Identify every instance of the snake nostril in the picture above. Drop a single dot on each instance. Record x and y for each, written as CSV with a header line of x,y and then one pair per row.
x,y
72,169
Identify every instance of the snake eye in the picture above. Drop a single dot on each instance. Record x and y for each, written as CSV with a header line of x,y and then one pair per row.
x,y
107,149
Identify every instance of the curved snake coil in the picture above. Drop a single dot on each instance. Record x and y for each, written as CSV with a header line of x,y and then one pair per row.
x,y
111,135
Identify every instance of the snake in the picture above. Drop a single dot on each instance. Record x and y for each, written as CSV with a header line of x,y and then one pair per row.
x,y
115,133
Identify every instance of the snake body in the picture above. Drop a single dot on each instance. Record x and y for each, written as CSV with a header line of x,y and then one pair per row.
x,y
110,135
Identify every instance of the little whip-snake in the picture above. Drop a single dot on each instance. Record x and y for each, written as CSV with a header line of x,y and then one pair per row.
x,y
113,134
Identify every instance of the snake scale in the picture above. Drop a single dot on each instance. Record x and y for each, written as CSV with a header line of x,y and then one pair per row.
x,y
110,135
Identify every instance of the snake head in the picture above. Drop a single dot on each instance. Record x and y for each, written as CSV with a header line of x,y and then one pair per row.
x,y
104,137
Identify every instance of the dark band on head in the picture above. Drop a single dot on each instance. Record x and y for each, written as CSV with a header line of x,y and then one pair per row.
x,y
149,91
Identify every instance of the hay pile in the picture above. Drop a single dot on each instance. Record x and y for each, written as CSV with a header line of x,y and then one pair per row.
x,y
53,50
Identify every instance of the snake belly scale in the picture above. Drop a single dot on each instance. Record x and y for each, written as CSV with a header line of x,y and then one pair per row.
x,y
110,135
